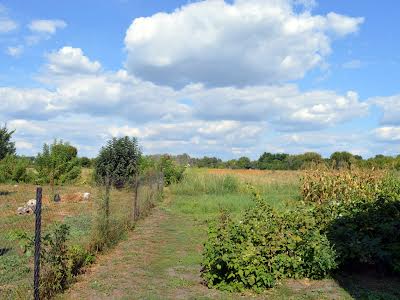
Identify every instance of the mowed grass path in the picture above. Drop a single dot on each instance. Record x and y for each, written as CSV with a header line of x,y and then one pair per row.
x,y
160,259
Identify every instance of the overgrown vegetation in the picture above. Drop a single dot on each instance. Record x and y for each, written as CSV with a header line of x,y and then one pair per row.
x,y
7,147
118,161
57,164
60,262
346,219
266,245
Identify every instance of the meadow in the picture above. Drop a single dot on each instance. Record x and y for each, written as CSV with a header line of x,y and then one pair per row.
x,y
161,257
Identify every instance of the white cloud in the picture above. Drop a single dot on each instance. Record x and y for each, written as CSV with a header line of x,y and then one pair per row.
x,y
69,60
46,26
23,145
15,51
248,42
391,109
343,25
35,103
284,106
388,134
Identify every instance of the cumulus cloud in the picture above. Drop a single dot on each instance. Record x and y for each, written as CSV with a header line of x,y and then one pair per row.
x,y
284,106
160,115
46,26
32,103
248,42
69,60
391,109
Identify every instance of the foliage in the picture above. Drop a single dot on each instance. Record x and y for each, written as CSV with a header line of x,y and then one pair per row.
x,y
322,184
60,263
347,219
58,163
173,172
108,229
85,162
264,246
364,230
118,161
343,159
14,169
7,147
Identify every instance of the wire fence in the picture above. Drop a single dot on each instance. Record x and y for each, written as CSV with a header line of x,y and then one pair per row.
x,y
74,222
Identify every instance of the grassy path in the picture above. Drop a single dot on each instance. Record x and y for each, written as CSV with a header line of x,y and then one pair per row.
x,y
161,258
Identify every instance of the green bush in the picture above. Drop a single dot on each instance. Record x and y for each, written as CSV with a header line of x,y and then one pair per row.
x,y
14,169
365,233
55,163
60,263
173,172
264,246
118,161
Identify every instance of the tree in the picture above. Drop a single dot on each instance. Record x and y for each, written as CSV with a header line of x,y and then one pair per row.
x,y
7,147
342,159
243,163
269,161
58,163
118,161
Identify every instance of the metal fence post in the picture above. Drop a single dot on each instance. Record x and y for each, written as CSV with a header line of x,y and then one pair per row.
x,y
38,225
135,199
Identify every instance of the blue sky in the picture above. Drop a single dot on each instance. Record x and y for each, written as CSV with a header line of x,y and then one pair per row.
x,y
209,77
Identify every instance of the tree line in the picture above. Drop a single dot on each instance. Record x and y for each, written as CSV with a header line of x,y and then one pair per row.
x,y
285,161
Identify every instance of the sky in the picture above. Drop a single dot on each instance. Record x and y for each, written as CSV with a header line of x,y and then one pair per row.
x,y
217,78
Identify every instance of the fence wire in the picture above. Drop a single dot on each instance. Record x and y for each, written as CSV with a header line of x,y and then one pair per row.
x,y
81,208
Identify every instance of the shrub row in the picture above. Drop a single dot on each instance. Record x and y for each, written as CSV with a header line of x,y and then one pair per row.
x,y
310,240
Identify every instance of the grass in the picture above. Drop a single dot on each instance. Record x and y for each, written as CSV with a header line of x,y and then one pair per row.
x,y
161,258
16,269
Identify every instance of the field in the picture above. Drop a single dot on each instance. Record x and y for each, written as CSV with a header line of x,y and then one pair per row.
x,y
160,258
16,269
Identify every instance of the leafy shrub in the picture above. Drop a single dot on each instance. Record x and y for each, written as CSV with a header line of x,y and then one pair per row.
x,y
56,162
365,232
173,172
118,161
60,263
13,169
264,246
85,162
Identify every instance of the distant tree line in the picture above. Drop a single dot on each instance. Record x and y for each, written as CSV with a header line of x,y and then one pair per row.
x,y
284,161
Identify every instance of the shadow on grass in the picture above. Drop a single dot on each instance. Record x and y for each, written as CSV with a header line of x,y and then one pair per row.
x,y
369,285
4,251
6,193
367,241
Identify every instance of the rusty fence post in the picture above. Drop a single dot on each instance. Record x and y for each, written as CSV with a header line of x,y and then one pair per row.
x,y
38,225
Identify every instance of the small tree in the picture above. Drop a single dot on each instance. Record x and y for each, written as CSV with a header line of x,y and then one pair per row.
x,y
58,163
7,147
118,161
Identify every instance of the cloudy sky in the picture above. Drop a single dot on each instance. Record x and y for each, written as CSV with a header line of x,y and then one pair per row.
x,y
221,78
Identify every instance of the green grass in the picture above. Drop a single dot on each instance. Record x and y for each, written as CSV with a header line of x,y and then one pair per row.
x,y
161,258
